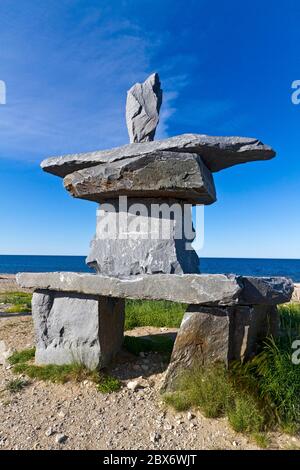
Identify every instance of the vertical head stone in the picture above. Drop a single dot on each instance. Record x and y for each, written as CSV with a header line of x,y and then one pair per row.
x,y
142,109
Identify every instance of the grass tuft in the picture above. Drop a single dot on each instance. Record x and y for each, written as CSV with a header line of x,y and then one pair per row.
x,y
61,373
108,384
16,385
56,373
18,309
21,356
245,415
261,439
20,302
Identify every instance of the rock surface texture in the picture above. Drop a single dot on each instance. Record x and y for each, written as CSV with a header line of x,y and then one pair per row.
x,y
219,334
205,289
75,328
149,238
142,109
160,174
217,153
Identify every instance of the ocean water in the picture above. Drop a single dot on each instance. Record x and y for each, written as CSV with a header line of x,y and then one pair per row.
x,y
12,264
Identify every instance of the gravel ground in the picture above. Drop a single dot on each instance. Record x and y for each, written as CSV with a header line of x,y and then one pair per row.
x,y
77,416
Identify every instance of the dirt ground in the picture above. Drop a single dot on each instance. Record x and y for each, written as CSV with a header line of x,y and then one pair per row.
x,y
38,416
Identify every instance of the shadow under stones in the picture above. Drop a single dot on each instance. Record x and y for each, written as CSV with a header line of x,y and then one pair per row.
x,y
143,356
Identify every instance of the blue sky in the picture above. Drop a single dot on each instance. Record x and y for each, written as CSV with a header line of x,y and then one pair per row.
x,y
226,69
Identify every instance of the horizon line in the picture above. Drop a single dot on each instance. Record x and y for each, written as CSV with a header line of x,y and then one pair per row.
x,y
200,257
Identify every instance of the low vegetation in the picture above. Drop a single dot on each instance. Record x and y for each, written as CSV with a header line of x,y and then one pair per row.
x,y
153,313
19,302
260,395
22,364
19,357
16,385
108,384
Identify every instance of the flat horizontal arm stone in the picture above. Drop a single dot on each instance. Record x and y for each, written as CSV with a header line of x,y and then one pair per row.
x,y
158,174
205,289
217,153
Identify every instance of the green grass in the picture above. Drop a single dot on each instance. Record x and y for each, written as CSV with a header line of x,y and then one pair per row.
x,y
153,313
212,391
20,302
18,309
261,439
56,373
16,298
154,343
260,395
22,364
21,356
108,384
16,385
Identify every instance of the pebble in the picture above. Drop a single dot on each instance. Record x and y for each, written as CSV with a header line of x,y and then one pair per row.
x,y
49,432
154,437
133,385
60,438
168,427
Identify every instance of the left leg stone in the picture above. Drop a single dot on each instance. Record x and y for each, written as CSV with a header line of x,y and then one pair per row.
x,y
75,328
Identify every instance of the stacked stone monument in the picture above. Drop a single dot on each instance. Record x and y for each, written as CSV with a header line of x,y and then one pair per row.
x,y
142,249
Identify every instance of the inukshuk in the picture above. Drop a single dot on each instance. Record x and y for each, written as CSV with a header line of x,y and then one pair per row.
x,y
142,249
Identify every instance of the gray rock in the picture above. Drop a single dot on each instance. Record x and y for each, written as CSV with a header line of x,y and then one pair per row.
x,y
60,438
49,432
187,288
158,174
154,437
76,328
124,258
217,153
268,291
203,338
205,289
209,335
155,241
142,109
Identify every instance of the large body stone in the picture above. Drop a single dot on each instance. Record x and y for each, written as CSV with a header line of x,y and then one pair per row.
x,y
208,335
76,328
142,109
205,289
217,153
157,174
149,238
